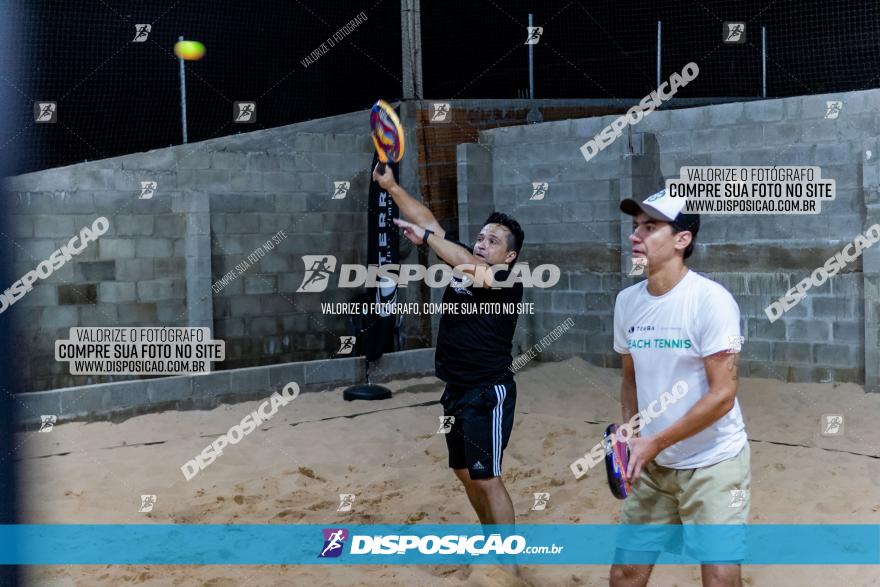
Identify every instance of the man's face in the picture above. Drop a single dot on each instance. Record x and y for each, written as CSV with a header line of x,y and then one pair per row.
x,y
654,240
491,245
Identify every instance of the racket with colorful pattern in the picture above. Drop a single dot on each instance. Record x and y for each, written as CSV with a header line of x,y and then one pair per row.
x,y
387,134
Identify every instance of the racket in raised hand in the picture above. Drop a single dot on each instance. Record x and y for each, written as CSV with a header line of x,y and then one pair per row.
x,y
387,134
616,461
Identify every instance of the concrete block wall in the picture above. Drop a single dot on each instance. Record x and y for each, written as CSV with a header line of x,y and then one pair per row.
x,y
134,275
433,144
827,337
215,203
259,314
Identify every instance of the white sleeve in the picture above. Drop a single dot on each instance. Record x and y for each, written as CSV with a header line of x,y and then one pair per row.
x,y
718,324
620,342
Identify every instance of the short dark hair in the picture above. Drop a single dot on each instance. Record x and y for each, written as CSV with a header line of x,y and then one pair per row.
x,y
691,223
516,236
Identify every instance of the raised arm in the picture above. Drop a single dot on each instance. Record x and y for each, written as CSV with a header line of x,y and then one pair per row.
x,y
412,209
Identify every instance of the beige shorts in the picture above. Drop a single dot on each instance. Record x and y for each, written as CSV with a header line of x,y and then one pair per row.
x,y
719,494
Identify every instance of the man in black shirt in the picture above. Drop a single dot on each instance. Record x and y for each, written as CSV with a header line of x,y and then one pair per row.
x,y
473,349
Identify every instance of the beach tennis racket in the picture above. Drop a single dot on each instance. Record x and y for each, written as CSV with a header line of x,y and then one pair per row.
x,y
616,461
387,134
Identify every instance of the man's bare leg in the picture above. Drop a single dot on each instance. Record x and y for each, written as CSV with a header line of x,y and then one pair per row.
x,y
630,575
476,502
497,505
721,575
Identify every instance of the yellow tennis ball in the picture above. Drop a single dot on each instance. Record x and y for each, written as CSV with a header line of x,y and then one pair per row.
x,y
189,50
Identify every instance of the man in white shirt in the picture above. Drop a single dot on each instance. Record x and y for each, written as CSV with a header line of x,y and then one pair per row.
x,y
689,466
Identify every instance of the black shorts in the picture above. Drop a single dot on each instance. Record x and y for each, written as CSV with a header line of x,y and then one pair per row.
x,y
483,421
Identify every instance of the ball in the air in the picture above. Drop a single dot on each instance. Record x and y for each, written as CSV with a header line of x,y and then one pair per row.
x,y
189,50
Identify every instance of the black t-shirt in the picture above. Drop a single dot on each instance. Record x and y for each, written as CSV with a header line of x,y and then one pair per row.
x,y
473,349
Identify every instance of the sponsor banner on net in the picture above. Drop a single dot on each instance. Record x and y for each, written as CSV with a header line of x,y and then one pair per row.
x,y
310,544
160,350
752,189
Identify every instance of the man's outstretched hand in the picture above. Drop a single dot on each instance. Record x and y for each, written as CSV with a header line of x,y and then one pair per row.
x,y
411,231
385,180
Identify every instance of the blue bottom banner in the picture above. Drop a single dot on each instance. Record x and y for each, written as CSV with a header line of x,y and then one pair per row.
x,y
353,544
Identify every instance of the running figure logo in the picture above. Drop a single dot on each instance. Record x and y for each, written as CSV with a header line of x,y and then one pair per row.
x,y
441,112
639,264
47,422
148,188
318,270
832,109
736,343
346,345
334,541
535,33
832,424
446,423
345,502
541,501
734,32
245,112
45,112
147,503
143,31
539,190
737,498
341,189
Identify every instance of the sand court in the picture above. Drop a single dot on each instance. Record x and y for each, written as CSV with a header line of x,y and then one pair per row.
x,y
292,469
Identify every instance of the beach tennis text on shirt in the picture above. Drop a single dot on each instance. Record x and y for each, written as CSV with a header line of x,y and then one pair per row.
x,y
162,350
656,342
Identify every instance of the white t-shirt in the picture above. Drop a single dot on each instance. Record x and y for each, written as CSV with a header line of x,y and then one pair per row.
x,y
668,336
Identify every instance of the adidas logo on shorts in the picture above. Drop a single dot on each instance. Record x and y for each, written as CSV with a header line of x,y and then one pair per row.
x,y
478,466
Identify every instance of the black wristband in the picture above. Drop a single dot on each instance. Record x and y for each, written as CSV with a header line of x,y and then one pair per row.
x,y
428,232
